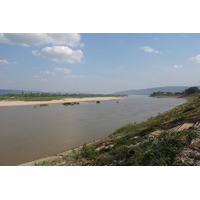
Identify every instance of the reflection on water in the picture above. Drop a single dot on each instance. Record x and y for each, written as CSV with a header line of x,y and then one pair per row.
x,y
28,133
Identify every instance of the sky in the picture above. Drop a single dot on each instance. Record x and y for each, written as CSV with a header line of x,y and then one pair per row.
x,y
98,62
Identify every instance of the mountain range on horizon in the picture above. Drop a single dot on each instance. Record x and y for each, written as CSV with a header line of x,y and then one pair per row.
x,y
146,91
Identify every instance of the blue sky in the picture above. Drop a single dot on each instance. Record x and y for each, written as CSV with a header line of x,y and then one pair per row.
x,y
98,62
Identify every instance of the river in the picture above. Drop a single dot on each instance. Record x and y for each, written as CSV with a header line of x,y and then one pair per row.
x,y
28,133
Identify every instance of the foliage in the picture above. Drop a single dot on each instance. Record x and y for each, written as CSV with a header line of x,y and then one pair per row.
x,y
86,152
70,103
159,93
49,162
43,105
192,90
125,129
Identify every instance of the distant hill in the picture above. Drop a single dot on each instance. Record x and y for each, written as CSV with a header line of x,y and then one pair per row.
x,y
148,91
2,92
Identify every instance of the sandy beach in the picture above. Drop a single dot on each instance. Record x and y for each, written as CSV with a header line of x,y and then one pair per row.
x,y
27,103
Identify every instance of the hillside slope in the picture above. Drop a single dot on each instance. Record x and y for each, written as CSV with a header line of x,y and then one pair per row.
x,y
171,138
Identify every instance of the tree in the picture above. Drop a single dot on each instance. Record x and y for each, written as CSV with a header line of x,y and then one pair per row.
x,y
192,90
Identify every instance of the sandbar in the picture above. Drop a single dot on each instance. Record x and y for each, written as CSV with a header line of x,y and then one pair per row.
x,y
28,103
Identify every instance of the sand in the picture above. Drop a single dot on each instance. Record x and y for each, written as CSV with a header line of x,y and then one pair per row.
x,y
27,103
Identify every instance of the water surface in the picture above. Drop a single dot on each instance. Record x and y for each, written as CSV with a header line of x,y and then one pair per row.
x,y
28,133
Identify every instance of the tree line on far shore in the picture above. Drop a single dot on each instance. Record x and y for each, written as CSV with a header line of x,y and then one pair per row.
x,y
189,91
50,96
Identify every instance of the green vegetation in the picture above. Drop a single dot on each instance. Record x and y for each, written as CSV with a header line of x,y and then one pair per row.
x,y
70,103
189,91
49,161
192,90
49,96
43,105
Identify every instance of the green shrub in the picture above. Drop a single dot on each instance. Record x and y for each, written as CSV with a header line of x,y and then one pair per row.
x,y
86,152
70,103
43,105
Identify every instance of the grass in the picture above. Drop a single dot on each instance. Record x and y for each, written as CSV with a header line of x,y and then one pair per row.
x,y
49,162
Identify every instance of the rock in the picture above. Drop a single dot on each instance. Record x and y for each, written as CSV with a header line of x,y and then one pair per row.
x,y
195,143
100,148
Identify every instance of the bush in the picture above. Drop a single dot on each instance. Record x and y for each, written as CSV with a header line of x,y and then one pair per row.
x,y
70,103
42,105
192,90
88,152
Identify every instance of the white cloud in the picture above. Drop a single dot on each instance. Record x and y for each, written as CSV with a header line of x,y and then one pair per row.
x,y
63,70
35,53
61,54
178,66
27,39
149,49
195,59
5,62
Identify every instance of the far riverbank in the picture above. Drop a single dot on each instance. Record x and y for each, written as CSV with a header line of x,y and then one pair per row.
x,y
24,103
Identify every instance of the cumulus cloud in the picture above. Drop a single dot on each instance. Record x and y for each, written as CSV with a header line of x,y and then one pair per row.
x,y
149,49
27,39
62,54
195,59
5,62
178,66
63,70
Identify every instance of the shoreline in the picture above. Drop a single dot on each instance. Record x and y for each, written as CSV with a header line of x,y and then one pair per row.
x,y
29,103
58,155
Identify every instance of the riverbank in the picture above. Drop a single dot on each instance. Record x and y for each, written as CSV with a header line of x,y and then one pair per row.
x,y
28,103
171,138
